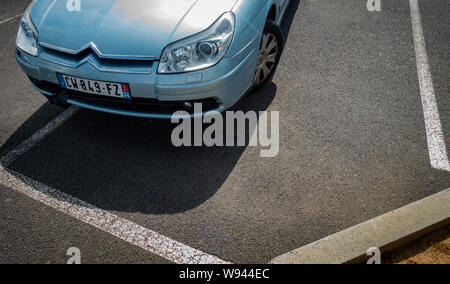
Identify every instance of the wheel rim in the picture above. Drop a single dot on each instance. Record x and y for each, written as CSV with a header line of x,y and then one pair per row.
x,y
267,58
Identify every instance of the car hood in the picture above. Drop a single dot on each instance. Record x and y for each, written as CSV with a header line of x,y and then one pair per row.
x,y
140,28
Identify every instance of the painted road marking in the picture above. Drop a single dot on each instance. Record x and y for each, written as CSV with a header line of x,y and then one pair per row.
x,y
119,227
435,137
26,145
10,19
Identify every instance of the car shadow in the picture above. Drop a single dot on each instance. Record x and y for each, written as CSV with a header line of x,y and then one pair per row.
x,y
129,164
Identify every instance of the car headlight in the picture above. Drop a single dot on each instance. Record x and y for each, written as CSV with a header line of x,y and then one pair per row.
x,y
200,51
28,34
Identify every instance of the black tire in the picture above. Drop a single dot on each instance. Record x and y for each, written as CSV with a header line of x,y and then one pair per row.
x,y
272,31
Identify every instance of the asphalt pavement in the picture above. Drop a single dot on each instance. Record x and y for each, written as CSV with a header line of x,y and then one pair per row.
x,y
353,146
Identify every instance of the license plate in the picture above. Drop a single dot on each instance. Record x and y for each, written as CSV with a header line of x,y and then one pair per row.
x,y
110,89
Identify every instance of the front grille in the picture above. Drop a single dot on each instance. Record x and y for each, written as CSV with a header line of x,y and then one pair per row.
x,y
104,64
141,104
145,105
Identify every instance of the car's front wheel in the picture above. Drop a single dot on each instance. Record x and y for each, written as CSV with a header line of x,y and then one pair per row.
x,y
269,54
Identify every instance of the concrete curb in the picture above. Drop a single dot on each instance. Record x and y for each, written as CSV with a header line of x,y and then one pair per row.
x,y
386,232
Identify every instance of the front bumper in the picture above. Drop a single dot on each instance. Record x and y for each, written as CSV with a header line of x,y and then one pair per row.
x,y
224,83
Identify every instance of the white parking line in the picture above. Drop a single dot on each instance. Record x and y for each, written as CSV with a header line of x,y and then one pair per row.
x,y
436,143
15,153
119,227
10,19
